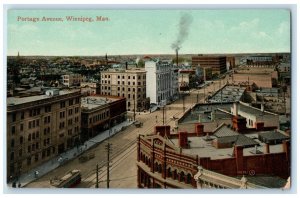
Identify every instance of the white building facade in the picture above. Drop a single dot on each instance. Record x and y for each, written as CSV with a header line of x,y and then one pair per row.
x,y
162,81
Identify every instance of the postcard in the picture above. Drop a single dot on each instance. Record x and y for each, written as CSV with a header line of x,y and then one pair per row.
x,y
148,98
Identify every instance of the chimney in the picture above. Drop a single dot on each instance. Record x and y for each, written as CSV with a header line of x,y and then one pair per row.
x,y
162,130
183,139
126,65
199,129
238,153
286,146
267,148
213,115
235,109
177,57
262,107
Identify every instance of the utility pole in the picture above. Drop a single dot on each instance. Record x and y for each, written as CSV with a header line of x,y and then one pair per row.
x,y
133,107
183,102
97,176
163,115
108,149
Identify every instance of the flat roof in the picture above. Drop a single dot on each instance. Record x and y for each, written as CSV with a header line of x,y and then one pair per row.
x,y
23,100
92,102
205,110
228,94
202,148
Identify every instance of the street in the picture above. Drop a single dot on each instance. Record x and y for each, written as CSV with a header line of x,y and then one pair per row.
x,y
123,169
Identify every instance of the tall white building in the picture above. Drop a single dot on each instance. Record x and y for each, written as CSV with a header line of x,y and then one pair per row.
x,y
162,81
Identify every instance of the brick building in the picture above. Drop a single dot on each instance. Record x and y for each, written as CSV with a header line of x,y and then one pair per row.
x,y
98,112
261,77
216,63
170,160
41,127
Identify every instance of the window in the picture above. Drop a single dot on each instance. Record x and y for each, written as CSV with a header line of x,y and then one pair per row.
x,y
12,156
33,147
37,122
133,83
29,149
70,132
47,108
21,140
34,112
28,160
29,137
14,117
21,127
139,83
128,82
128,95
13,130
33,136
22,115
12,143
62,114
70,102
70,111
128,89
128,77
62,104
61,125
20,153
37,145
77,100
133,77
70,122
36,157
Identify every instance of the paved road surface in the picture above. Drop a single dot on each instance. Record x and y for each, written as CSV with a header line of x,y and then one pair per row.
x,y
123,170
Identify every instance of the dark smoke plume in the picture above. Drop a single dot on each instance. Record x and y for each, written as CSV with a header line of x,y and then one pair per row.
x,y
184,25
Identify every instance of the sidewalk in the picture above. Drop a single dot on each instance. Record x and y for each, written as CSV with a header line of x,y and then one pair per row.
x,y
68,155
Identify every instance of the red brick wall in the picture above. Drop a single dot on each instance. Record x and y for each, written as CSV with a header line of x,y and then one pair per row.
x,y
271,164
162,130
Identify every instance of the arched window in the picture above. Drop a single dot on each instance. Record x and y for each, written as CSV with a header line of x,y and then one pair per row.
x,y
159,168
156,166
175,176
169,172
189,177
181,179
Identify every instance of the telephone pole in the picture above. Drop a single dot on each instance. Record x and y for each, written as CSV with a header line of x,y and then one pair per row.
x,y
97,176
108,149
133,107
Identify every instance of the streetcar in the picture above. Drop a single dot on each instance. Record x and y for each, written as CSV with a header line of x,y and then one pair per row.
x,y
70,180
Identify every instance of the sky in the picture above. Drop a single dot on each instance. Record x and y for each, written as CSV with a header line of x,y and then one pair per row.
x,y
148,32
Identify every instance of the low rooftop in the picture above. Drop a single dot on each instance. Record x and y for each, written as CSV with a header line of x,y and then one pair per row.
x,y
92,102
23,100
228,94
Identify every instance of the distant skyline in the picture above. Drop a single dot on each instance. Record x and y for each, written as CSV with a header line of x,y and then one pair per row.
x,y
148,32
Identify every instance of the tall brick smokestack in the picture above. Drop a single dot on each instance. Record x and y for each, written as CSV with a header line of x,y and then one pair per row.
x,y
184,26
177,57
